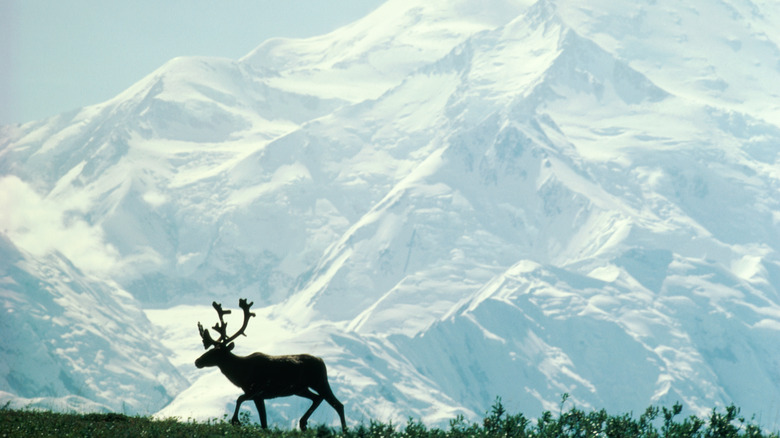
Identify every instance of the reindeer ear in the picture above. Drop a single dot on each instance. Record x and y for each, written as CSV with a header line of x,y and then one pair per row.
x,y
230,346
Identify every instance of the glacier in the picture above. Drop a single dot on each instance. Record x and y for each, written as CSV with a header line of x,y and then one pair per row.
x,y
447,203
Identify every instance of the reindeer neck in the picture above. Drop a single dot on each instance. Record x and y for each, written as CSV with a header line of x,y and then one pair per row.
x,y
238,369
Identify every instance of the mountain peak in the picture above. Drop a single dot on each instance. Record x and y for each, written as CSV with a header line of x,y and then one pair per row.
x,y
379,50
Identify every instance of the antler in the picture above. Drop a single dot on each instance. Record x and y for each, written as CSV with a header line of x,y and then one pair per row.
x,y
206,337
247,314
221,327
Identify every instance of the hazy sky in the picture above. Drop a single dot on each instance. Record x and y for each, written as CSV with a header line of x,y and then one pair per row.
x,y
57,55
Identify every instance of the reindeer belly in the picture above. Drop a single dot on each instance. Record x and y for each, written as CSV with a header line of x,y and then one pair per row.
x,y
280,376
274,391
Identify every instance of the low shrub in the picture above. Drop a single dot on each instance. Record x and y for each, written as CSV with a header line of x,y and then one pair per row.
x,y
575,423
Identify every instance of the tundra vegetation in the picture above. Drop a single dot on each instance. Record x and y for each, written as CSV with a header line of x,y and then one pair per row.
x,y
655,422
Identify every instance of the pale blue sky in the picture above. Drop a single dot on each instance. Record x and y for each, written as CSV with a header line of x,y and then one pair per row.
x,y
56,56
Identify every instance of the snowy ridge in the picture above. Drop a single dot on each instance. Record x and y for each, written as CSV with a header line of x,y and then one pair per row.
x,y
446,206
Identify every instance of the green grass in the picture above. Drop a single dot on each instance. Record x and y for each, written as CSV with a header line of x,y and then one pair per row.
x,y
653,423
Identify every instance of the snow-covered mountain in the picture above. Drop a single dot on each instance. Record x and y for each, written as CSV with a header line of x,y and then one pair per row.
x,y
73,342
447,203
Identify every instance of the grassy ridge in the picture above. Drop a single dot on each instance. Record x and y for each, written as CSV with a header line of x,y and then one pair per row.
x,y
653,423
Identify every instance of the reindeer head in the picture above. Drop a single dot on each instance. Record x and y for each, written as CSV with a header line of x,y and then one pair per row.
x,y
224,343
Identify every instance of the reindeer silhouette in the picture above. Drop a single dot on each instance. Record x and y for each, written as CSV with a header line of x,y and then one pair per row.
x,y
263,377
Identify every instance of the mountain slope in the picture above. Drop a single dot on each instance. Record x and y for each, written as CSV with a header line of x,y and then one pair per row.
x,y
72,342
679,49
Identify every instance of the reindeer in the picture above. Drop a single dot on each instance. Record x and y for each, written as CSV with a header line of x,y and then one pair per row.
x,y
263,377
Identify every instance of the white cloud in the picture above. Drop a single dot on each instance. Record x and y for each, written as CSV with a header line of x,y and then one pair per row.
x,y
41,226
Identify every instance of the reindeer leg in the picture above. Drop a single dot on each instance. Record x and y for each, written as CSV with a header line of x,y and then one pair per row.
x,y
327,394
242,398
260,403
316,400
333,401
